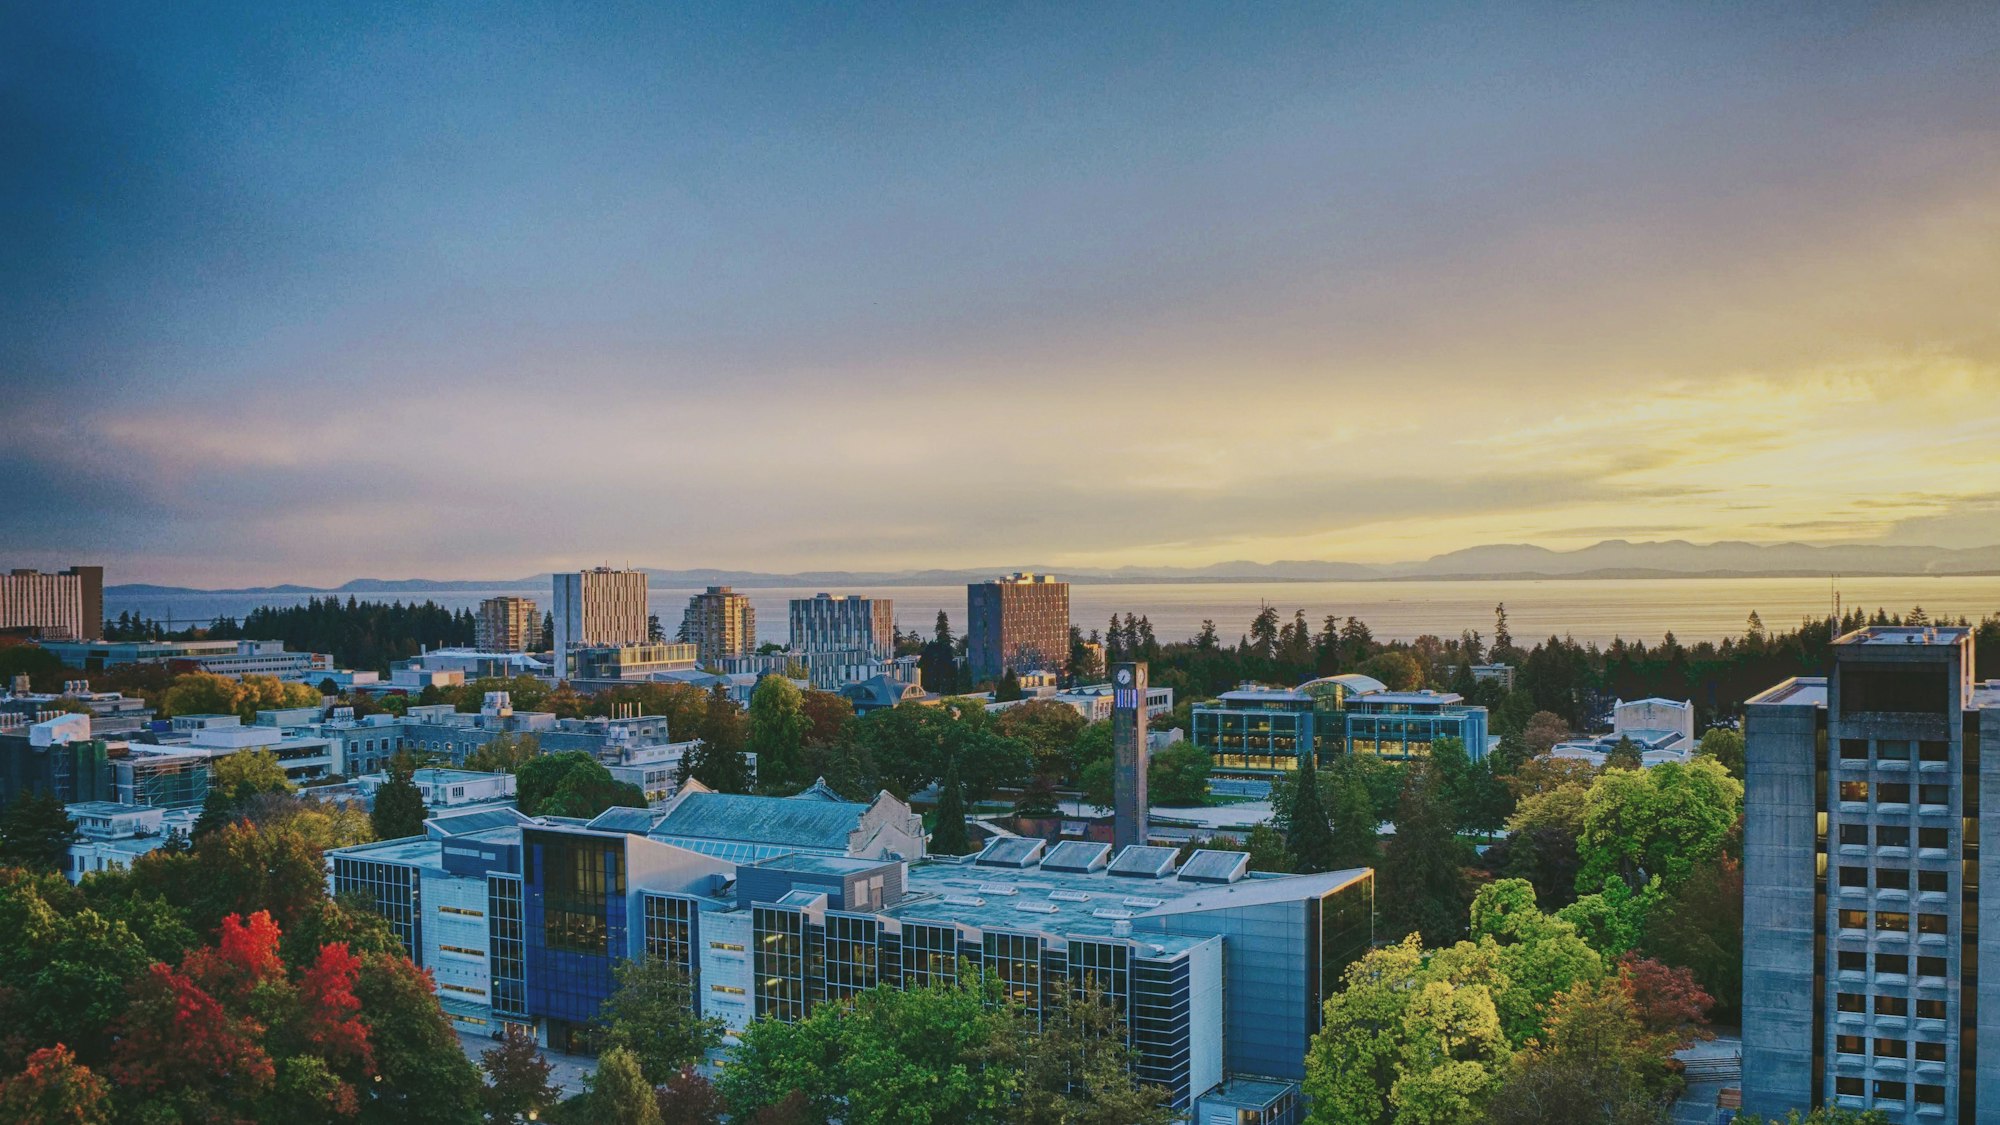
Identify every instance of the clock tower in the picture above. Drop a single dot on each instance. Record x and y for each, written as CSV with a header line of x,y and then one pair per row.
x,y
1128,754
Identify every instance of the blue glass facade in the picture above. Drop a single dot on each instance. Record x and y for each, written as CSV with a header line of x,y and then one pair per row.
x,y
573,918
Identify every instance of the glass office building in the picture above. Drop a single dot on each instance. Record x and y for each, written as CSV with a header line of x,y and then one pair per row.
x,y
1256,729
1404,724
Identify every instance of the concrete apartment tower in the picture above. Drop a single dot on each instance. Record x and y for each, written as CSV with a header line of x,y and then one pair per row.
x,y
66,606
596,607
1863,857
719,623
1019,622
507,624
1128,755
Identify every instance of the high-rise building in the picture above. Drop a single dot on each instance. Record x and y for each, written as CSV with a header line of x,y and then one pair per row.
x,y
1869,954
1019,622
596,607
66,606
507,624
826,623
719,623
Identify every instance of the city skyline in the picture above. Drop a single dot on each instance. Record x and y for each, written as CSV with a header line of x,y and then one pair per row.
x,y
301,296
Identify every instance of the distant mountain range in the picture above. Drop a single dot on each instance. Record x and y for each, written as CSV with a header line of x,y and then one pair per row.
x,y
1614,558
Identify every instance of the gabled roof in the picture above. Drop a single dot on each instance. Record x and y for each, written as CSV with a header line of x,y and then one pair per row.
x,y
809,823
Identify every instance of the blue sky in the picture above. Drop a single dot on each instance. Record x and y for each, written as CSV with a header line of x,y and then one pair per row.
x,y
297,294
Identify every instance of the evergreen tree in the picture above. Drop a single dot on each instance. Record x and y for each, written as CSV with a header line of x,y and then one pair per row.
x,y
1423,869
619,1094
718,760
1008,689
778,727
399,805
35,833
949,837
1351,816
1307,833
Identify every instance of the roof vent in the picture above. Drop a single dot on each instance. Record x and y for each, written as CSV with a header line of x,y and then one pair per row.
x,y
963,900
1069,896
1036,907
998,889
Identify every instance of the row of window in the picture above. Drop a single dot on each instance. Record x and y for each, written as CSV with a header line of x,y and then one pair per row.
x,y
1895,793
1885,1091
1889,1048
1895,879
1855,1003
1895,921
1897,964
1894,750
1895,836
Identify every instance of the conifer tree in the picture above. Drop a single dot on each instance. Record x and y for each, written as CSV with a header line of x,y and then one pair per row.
x,y
949,837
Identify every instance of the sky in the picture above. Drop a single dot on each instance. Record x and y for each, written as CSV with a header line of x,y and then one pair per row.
x,y
315,292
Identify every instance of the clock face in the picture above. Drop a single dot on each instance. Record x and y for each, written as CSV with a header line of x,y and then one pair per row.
x,y
1124,675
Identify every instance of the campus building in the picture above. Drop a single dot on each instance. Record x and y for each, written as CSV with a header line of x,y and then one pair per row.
x,y
1218,973
1257,729
1864,854
597,607
507,624
67,605
719,623
1019,622
232,659
848,623
1404,724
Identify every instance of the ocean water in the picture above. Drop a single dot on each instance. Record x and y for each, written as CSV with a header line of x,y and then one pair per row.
x,y
1589,610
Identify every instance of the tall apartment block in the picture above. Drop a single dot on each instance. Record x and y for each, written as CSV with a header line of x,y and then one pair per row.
x,y
1019,622
826,623
65,606
719,623
507,624
1863,857
598,607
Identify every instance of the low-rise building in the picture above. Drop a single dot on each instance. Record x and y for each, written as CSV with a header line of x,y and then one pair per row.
x,y
447,790
111,835
1661,730
1404,724
1257,729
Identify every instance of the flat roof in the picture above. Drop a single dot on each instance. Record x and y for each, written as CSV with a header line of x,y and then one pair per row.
x,y
1906,635
1799,691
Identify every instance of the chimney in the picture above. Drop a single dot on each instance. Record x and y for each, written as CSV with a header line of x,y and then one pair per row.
x,y
1128,755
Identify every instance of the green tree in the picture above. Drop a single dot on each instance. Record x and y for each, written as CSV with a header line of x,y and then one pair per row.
x,y
1664,821
1423,867
399,805
1624,756
778,726
217,810
947,1052
1008,689
1725,746
1268,851
1399,671
949,836
64,969
35,833
423,1076
1049,730
1078,1071
619,1094
1822,1115
1352,817
1544,730
653,1013
1308,836
1178,775
719,762
247,773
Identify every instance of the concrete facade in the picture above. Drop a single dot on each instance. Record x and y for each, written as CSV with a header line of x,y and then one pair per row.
x,y
597,607
1863,856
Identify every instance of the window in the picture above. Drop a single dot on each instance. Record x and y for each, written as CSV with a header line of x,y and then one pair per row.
x,y
1892,836
1930,1052
467,911
731,946
1880,685
1853,790
1849,1087
1854,834
1892,793
1891,1049
1892,878
1893,921
1929,1095
1933,924
1930,966
463,951
726,989
1933,837
467,989
1854,919
1849,1002
1853,961
1848,1044
1892,1006
1930,1009
1892,963
1933,882
1854,876
1854,749
1934,794
1886,1091
1931,751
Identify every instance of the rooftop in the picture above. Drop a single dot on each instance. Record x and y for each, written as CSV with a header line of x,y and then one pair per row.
x,y
1906,635
812,822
